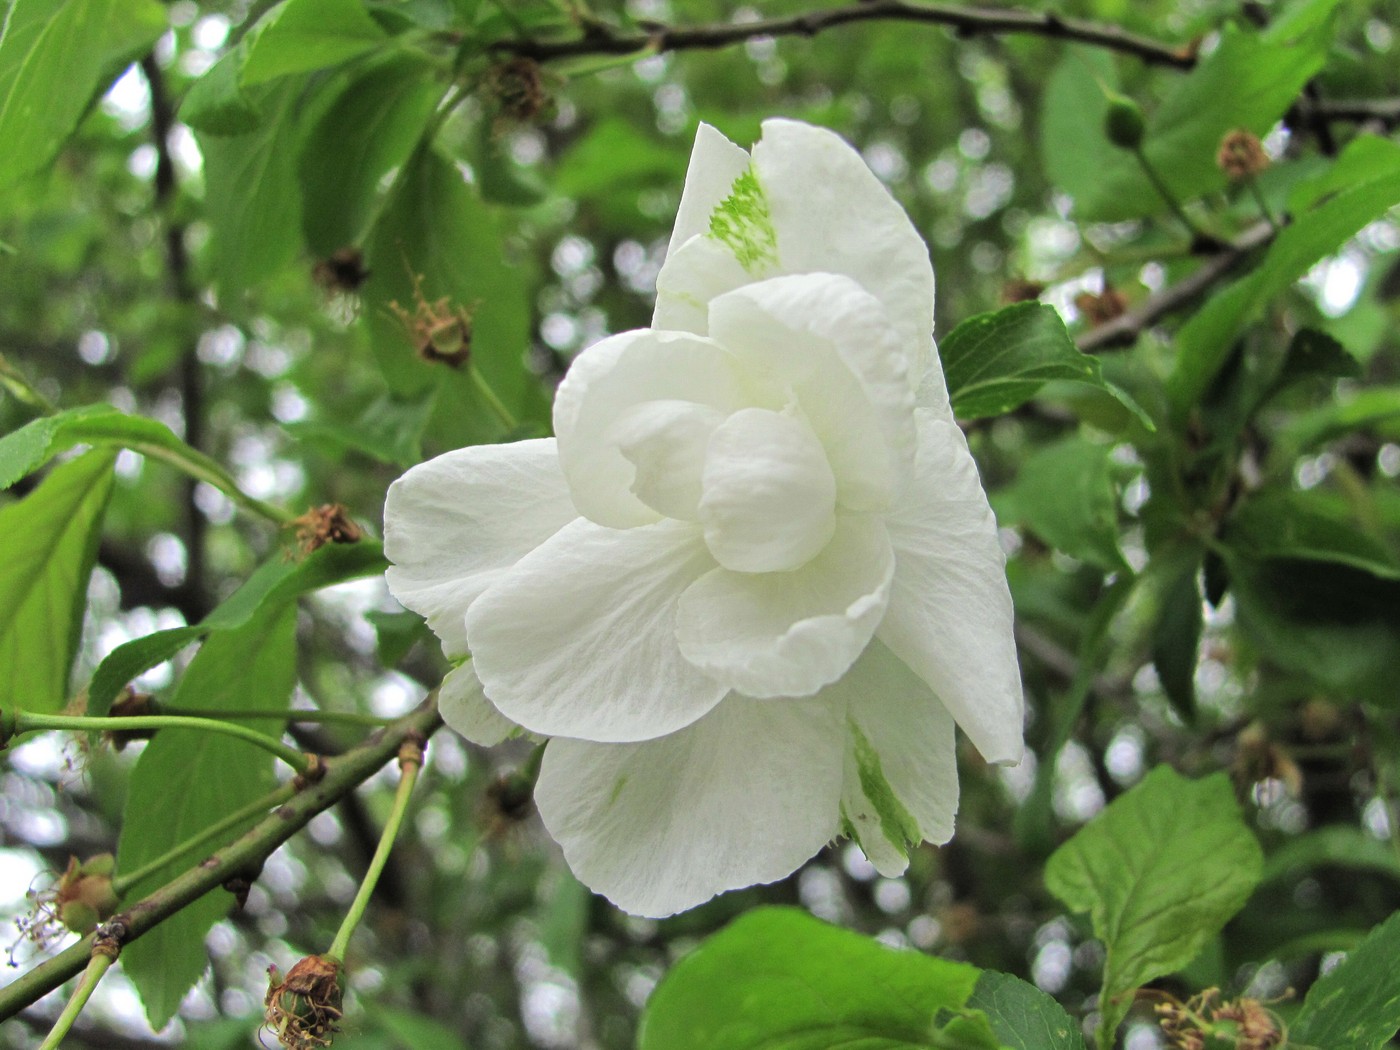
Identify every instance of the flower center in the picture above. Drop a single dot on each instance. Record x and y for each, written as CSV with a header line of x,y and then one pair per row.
x,y
768,496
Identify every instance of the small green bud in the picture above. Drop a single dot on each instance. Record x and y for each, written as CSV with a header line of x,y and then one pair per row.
x,y
1123,123
85,895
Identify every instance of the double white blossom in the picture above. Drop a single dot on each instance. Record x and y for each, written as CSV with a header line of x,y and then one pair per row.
x,y
753,582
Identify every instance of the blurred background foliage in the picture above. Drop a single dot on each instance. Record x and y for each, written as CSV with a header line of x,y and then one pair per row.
x,y
363,233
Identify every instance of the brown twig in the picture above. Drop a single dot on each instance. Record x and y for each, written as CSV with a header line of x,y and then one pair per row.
x,y
1123,330
966,21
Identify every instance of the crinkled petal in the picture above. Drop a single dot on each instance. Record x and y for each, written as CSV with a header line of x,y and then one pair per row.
x,y
695,272
832,215
579,638
666,443
790,633
768,497
950,616
607,380
715,163
454,524
464,707
743,796
833,344
901,774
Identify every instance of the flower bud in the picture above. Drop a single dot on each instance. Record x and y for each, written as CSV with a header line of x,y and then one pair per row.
x,y
1123,123
85,895
302,1010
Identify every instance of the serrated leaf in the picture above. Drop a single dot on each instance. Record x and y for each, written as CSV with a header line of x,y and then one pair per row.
x,y
302,35
1159,871
370,128
1204,342
34,444
50,546
994,362
1065,494
251,194
436,227
275,583
1357,1005
217,103
1311,525
186,781
1022,1016
55,56
778,979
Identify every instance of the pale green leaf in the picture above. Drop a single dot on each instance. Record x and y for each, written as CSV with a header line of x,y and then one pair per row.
x,y
302,35
50,546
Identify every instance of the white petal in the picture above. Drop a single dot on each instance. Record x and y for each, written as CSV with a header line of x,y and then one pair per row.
x,y
832,343
790,633
743,796
666,443
768,498
901,774
715,163
467,712
694,274
579,638
832,215
950,616
453,524
613,376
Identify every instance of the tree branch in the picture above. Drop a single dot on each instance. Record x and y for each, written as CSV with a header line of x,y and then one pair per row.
x,y
1123,331
342,776
598,39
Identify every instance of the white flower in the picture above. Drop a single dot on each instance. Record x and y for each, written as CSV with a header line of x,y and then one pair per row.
x,y
756,580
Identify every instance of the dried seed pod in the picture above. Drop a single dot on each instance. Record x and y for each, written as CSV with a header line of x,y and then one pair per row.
x,y
303,1009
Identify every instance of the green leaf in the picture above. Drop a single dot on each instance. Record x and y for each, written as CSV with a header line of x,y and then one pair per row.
x,y
499,178
389,430
34,444
1073,148
778,979
396,633
251,194
1204,342
370,129
217,102
187,780
1333,846
275,583
55,56
1357,1005
994,362
302,35
411,1031
1248,82
1312,525
1159,871
1176,634
50,546
1332,626
1065,494
1022,1016
1313,354
436,227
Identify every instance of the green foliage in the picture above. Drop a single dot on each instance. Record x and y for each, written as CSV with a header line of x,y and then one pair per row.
x,y
187,780
779,978
301,35
1356,1006
1160,871
50,546
1022,1016
55,57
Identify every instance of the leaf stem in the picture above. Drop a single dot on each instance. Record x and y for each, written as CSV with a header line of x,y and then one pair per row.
x,y
202,468
124,881
97,965
410,763
294,714
24,722
13,380
492,399
1169,198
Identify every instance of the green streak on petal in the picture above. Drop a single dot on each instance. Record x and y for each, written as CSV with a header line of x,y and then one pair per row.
x,y
617,789
743,223
848,829
896,822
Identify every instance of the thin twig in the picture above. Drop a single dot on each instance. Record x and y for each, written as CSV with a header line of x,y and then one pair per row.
x,y
967,21
342,776
1123,331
